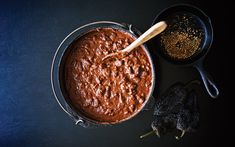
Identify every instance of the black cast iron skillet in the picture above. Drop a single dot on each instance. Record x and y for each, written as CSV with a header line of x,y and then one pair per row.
x,y
201,21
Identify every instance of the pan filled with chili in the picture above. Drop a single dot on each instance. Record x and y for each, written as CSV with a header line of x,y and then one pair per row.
x,y
89,90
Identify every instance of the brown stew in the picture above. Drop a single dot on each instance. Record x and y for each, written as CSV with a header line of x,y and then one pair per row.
x,y
110,91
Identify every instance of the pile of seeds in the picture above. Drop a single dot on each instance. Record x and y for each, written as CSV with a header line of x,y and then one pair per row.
x,y
183,37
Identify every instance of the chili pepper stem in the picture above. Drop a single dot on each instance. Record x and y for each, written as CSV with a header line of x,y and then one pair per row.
x,y
150,133
147,134
179,137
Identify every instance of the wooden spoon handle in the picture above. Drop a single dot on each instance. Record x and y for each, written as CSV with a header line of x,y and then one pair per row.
x,y
150,33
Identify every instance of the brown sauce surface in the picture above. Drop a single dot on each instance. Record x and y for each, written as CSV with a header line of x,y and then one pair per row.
x,y
111,91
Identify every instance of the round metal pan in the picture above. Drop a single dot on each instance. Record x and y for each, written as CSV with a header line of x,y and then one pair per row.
x,y
201,20
57,71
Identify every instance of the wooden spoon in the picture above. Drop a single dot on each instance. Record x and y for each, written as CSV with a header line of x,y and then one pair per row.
x,y
150,33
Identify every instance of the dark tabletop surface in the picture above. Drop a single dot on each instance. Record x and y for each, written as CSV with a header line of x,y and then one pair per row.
x,y
30,32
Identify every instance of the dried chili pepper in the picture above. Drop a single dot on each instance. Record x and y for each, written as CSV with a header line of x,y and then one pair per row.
x,y
177,108
188,117
171,100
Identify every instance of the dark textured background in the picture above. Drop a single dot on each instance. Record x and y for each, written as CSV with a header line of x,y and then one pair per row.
x,y
30,32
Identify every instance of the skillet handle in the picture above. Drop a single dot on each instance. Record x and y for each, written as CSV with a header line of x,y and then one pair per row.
x,y
209,84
